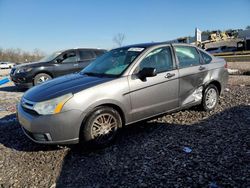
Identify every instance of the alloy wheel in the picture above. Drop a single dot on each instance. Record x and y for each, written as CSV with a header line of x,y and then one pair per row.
x,y
211,98
104,128
42,79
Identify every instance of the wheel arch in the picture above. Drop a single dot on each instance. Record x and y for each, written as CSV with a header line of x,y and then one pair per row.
x,y
112,105
216,83
42,72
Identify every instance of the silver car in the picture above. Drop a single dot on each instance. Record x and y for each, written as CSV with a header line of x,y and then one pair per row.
x,y
123,86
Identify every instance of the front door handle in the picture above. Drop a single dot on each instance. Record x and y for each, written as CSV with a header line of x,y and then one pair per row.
x,y
170,75
202,68
76,64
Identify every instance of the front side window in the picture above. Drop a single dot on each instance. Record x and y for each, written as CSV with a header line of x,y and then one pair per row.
x,y
50,57
187,56
69,57
207,58
160,59
113,63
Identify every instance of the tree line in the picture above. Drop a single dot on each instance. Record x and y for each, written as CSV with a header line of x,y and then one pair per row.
x,y
16,55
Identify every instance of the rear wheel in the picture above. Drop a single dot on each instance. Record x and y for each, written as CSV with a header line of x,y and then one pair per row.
x,y
101,127
210,98
40,78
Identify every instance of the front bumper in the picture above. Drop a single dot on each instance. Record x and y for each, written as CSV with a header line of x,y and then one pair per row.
x,y
22,80
23,85
61,128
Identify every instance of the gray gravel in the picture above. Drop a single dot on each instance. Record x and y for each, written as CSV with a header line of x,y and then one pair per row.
x,y
145,154
239,80
243,67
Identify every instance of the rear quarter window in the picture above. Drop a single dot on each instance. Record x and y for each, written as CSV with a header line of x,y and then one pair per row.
x,y
206,58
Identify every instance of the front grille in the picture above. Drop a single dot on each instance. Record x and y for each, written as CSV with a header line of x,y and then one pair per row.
x,y
33,112
28,106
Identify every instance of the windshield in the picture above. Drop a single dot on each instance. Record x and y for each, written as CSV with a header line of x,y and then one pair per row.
x,y
50,57
113,63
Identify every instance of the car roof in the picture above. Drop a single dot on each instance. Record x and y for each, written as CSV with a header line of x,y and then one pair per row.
x,y
144,45
98,49
65,50
151,44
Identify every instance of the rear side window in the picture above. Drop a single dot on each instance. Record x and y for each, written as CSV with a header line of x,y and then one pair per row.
x,y
86,55
207,58
187,56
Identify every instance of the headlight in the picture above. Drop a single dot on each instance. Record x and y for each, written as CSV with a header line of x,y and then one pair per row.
x,y
23,69
52,106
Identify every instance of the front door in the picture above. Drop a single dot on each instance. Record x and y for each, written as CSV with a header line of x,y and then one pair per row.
x,y
155,95
66,63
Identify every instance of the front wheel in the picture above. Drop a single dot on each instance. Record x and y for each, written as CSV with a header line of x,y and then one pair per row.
x,y
40,78
210,98
101,127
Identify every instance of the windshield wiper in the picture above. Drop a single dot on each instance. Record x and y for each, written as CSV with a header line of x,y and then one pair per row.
x,y
94,74
89,73
98,74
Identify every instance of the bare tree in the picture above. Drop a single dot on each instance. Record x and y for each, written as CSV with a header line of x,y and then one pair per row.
x,y
18,56
119,38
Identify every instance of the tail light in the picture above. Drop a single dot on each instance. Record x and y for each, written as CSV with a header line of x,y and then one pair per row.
x,y
225,65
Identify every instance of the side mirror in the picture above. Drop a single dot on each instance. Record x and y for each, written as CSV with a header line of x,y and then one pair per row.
x,y
147,72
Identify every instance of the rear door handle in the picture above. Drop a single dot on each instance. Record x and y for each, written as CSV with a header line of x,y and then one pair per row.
x,y
170,75
76,64
202,68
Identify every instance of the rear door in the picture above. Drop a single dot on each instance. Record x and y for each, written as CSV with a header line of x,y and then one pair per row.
x,y
85,57
192,73
158,94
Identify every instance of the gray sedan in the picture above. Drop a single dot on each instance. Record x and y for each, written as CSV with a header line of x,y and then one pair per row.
x,y
124,86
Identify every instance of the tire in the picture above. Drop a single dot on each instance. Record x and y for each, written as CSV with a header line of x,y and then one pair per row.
x,y
101,127
41,77
210,98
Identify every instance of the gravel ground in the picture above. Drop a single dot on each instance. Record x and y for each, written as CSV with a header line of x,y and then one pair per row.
x,y
243,67
189,148
4,72
239,80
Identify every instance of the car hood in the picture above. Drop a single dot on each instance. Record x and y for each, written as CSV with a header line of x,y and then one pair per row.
x,y
32,64
71,83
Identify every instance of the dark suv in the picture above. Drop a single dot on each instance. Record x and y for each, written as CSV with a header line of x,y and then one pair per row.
x,y
54,65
